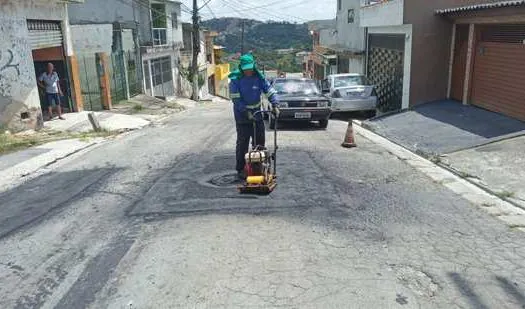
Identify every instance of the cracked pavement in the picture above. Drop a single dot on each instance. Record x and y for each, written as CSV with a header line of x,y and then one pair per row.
x,y
136,224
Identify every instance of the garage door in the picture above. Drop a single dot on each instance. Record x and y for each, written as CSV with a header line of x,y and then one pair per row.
x,y
44,33
385,69
498,82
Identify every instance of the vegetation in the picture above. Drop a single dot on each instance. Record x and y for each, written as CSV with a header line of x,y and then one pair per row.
x,y
268,35
263,39
14,142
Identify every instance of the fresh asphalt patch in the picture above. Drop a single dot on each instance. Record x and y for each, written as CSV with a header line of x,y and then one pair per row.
x,y
209,187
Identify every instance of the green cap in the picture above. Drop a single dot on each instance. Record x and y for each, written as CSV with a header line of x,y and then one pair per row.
x,y
247,62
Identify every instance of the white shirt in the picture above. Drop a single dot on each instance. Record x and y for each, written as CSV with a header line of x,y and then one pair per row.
x,y
50,81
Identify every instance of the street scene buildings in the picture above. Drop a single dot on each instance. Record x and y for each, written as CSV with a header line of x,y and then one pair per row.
x,y
390,135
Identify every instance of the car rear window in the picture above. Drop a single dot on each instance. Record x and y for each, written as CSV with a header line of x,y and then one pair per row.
x,y
295,87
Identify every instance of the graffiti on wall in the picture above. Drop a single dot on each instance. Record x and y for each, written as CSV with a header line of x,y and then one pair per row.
x,y
16,64
7,63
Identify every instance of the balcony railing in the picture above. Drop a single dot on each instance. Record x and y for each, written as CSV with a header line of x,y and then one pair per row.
x,y
373,2
160,36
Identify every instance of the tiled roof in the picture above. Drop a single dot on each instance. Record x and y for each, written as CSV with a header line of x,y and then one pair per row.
x,y
483,6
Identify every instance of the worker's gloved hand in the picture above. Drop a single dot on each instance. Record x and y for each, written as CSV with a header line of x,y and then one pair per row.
x,y
249,116
275,111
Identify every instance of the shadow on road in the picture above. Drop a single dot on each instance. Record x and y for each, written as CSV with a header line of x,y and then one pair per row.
x,y
32,201
350,116
467,291
512,290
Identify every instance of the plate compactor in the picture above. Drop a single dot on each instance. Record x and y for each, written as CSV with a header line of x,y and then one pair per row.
x,y
260,168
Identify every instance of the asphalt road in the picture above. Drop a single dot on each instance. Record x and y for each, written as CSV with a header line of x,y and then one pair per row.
x,y
136,223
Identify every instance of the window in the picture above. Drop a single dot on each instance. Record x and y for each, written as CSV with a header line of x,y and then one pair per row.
x,y
339,5
348,80
174,20
158,16
159,36
351,16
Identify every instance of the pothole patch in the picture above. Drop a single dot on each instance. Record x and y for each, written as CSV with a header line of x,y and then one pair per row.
x,y
221,180
418,281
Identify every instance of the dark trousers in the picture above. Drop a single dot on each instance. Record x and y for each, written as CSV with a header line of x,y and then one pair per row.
x,y
245,131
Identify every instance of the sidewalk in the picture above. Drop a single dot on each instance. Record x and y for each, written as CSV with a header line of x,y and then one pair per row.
x,y
14,167
485,148
498,167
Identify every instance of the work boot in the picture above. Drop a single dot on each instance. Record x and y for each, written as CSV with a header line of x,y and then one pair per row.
x,y
241,175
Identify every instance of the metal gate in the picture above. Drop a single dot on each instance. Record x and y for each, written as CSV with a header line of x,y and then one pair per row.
x,y
385,69
117,73
89,82
162,75
499,63
134,78
44,33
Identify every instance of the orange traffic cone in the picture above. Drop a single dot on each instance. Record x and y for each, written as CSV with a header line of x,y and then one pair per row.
x,y
349,137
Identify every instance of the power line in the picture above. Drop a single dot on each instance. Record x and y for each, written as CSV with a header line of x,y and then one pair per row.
x,y
211,11
205,4
262,12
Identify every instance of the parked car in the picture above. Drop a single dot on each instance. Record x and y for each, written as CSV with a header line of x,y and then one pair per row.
x,y
349,93
300,100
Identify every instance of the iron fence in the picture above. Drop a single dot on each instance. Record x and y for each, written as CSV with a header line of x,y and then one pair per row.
x,y
117,74
89,82
134,74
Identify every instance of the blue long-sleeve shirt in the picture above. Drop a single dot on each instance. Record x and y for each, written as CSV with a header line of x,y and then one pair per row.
x,y
246,92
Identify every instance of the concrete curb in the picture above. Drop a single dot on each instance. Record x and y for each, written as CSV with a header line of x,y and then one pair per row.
x,y
510,213
59,150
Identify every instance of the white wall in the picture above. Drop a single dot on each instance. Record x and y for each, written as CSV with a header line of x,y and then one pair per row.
x,y
175,33
389,13
18,88
327,37
356,65
90,39
350,35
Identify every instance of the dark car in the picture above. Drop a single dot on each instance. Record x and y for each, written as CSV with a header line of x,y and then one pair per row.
x,y
301,100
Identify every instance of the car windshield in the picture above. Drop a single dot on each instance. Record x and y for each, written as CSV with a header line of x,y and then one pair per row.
x,y
296,87
346,81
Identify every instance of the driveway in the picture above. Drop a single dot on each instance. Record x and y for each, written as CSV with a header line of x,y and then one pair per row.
x,y
446,126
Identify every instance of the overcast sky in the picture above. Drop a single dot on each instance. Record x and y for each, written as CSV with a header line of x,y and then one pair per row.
x,y
290,10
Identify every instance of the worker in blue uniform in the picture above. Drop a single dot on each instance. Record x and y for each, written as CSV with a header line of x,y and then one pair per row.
x,y
247,84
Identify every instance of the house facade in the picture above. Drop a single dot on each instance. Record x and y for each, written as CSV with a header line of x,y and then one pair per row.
x,y
350,38
423,51
323,59
33,33
142,39
202,60
487,55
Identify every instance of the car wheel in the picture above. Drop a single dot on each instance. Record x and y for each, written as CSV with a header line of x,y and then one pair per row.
x,y
371,114
323,123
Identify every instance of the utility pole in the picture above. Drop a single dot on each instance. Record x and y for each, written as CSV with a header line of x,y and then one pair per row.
x,y
196,49
242,38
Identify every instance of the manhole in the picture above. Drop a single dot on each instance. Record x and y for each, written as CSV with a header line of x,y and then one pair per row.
x,y
223,180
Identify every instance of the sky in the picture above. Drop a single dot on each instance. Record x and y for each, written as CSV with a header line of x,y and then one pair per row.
x,y
289,10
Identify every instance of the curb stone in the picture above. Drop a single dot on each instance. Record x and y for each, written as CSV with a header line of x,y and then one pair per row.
x,y
510,213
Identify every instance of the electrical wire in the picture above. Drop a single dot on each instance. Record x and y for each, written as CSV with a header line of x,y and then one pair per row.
x,y
261,11
205,4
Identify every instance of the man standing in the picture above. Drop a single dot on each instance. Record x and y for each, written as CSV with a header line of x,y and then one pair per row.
x,y
246,87
49,81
